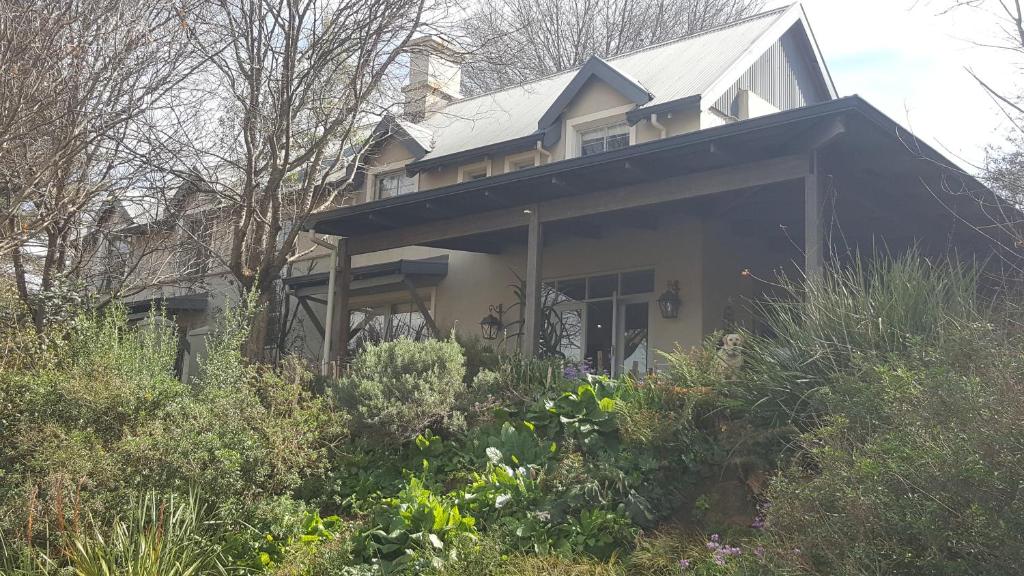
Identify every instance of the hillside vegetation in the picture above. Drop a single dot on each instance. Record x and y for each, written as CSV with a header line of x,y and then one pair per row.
x,y
877,431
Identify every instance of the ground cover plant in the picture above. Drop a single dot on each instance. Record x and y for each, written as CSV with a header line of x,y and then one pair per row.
x,y
875,432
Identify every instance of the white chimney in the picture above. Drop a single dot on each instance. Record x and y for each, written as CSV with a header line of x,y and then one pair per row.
x,y
435,77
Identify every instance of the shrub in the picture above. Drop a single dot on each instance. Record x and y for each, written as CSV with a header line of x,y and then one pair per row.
x,y
101,416
395,390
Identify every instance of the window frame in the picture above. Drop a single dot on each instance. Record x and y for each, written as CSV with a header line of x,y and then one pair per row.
x,y
606,118
467,172
604,129
380,176
533,156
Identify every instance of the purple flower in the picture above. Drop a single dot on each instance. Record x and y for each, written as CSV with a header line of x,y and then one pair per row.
x,y
683,565
759,552
715,538
758,523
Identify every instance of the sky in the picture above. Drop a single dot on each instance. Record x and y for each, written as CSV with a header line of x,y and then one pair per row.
x,y
908,59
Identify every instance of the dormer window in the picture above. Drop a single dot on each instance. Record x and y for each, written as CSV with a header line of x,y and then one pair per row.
x,y
603,139
394,183
474,171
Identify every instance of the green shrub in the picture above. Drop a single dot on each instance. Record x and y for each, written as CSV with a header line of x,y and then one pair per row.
x,y
930,484
101,417
395,390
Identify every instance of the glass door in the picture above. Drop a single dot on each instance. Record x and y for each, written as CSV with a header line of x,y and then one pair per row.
x,y
633,335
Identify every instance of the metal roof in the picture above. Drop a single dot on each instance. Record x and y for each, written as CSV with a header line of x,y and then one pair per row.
x,y
672,71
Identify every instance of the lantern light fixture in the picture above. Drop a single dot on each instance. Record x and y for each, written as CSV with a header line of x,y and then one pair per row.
x,y
669,302
492,324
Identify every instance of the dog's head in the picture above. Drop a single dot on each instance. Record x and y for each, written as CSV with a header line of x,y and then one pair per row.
x,y
732,342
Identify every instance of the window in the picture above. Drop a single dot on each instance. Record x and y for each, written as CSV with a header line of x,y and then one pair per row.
x,y
116,265
194,249
603,139
521,162
394,183
474,172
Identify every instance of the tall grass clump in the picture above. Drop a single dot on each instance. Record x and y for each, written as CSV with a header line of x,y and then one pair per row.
x,y
823,328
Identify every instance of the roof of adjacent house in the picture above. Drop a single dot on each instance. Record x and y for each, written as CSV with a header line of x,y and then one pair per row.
x,y
696,67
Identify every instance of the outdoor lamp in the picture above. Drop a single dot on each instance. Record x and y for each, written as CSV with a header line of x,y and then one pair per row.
x,y
669,301
491,324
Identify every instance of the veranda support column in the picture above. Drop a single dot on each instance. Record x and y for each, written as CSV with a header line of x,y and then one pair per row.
x,y
343,282
814,232
332,282
534,252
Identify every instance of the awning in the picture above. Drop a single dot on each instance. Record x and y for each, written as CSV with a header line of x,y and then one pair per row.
x,y
376,278
169,304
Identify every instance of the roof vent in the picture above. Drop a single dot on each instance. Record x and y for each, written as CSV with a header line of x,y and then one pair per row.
x,y
435,77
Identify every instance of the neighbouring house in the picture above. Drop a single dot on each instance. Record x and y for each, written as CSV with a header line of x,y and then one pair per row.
x,y
631,205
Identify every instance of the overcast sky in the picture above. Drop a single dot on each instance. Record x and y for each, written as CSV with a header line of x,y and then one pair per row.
x,y
908,60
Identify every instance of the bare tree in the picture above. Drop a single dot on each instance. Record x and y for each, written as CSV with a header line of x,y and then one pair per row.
x,y
74,76
1003,168
271,127
512,41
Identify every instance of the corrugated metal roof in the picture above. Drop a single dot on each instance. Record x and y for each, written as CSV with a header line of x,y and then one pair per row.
x,y
670,71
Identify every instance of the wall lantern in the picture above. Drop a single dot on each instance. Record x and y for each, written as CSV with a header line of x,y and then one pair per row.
x,y
491,324
669,301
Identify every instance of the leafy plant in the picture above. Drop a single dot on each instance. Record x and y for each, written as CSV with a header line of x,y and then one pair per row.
x,y
581,415
413,526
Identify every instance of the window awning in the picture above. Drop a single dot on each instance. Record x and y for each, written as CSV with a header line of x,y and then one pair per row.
x,y
376,278
170,304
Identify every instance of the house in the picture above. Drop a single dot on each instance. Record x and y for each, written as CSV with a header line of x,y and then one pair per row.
x,y
604,213
631,205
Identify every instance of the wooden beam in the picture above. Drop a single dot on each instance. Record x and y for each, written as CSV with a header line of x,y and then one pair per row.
x,y
534,266
780,169
312,317
818,136
814,231
421,306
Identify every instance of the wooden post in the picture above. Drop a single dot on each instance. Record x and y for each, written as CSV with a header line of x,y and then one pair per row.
x,y
339,322
534,280
814,231
332,282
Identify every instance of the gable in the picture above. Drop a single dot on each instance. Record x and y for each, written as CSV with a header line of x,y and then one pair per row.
x,y
784,76
627,88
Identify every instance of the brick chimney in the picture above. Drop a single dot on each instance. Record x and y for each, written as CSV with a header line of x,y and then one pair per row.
x,y
435,77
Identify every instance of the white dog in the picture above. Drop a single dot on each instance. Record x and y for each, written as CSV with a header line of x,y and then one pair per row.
x,y
731,352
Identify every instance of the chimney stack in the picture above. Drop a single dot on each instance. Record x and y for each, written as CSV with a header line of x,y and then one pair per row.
x,y
435,77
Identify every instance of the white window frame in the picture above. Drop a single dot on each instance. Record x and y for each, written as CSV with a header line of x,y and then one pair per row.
x,y
574,126
466,171
373,172
533,156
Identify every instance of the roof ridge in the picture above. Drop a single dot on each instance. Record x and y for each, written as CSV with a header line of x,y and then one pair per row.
x,y
609,59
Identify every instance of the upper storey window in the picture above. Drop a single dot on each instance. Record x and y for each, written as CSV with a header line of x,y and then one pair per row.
x,y
394,183
603,139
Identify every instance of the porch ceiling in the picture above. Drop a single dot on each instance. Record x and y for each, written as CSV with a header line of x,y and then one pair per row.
x,y
880,156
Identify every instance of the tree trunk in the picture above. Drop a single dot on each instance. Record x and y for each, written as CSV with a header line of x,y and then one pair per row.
x,y
255,347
